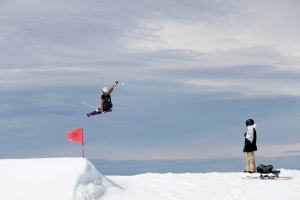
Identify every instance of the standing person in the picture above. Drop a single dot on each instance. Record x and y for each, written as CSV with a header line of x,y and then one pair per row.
x,y
250,146
105,103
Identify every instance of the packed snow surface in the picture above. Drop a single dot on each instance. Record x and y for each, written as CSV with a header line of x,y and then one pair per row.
x,y
77,178
52,179
206,186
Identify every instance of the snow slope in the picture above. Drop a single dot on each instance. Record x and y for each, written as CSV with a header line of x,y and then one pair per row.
x,y
52,179
206,186
77,178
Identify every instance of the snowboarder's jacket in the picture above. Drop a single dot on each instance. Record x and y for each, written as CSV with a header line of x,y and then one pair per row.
x,y
250,139
106,98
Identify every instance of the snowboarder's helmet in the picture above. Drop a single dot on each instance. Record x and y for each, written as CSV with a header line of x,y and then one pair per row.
x,y
249,122
105,90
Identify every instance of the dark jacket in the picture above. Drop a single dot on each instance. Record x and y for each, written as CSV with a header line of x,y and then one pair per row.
x,y
106,98
251,146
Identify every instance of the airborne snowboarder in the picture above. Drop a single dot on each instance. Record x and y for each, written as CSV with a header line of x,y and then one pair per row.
x,y
105,103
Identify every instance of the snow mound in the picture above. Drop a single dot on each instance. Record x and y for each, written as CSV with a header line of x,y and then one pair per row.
x,y
53,178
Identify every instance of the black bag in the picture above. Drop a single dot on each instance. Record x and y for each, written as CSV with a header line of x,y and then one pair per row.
x,y
264,169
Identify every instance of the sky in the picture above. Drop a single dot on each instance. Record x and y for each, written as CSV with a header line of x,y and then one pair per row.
x,y
193,73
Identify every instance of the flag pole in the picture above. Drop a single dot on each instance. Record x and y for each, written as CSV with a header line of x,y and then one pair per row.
x,y
82,145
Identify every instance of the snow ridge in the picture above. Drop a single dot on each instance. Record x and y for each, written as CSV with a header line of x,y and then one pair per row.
x,y
53,178
91,184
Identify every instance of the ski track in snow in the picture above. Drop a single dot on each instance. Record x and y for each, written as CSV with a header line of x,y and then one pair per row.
x,y
204,186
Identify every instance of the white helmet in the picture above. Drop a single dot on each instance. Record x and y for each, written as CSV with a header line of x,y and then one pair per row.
x,y
105,90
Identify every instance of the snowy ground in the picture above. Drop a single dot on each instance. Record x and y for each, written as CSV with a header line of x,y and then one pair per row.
x,y
77,178
52,179
204,186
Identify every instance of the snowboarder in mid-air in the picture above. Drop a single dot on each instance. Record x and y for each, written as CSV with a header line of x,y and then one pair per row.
x,y
105,103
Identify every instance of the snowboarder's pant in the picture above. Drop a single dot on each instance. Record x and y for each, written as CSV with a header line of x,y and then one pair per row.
x,y
250,161
107,106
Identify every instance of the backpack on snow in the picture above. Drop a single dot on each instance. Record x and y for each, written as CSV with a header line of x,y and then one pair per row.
x,y
264,169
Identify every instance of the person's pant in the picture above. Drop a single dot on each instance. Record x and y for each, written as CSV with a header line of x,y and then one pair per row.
x,y
250,161
107,106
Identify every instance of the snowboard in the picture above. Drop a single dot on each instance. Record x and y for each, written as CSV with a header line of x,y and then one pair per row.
x,y
269,177
96,113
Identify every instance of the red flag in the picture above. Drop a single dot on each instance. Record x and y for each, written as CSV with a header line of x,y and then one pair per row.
x,y
76,135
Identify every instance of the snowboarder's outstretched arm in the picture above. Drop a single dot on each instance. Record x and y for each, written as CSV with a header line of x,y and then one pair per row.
x,y
113,87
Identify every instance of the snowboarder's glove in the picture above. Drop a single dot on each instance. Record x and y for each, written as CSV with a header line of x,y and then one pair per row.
x,y
244,150
116,83
245,134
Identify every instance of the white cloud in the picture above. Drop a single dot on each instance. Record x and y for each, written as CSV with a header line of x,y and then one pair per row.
x,y
246,87
68,50
258,24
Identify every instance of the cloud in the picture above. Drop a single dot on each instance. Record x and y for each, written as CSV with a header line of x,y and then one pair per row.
x,y
56,41
244,26
194,71
297,151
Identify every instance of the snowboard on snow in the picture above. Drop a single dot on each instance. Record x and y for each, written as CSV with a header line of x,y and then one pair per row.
x,y
273,176
96,113
269,177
